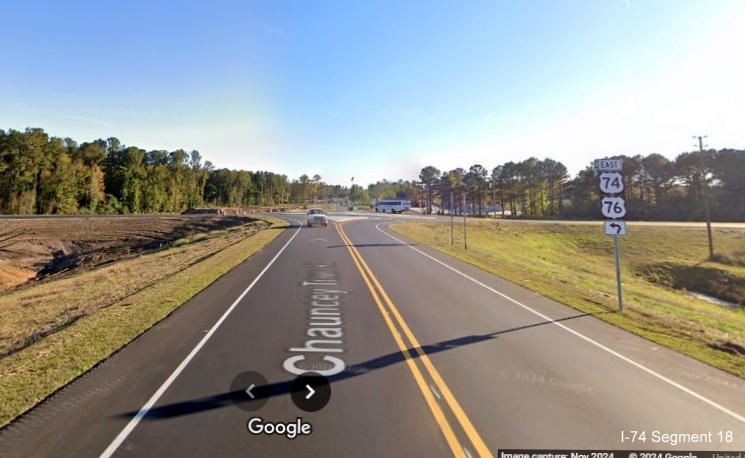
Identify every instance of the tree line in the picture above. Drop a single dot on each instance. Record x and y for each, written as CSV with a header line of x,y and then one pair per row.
x,y
40,174
656,188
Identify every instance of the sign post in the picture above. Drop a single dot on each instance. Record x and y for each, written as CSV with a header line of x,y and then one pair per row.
x,y
465,239
618,273
452,240
613,206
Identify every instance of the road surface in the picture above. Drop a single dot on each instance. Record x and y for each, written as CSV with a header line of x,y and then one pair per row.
x,y
424,355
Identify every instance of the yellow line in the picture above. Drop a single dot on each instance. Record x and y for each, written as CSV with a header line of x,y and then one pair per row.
x,y
447,430
465,423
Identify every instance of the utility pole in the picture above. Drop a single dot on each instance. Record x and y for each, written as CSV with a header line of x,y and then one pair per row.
x,y
705,185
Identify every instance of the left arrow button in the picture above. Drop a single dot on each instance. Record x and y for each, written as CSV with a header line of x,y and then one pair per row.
x,y
252,398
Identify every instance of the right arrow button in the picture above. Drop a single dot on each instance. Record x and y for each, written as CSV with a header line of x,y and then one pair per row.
x,y
310,392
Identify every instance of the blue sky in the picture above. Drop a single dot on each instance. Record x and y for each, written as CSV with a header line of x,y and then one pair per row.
x,y
378,90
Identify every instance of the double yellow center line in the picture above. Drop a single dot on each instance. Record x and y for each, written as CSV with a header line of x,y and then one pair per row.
x,y
378,292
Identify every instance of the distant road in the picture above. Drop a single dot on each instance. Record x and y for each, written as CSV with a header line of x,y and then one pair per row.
x,y
648,223
417,216
426,356
403,216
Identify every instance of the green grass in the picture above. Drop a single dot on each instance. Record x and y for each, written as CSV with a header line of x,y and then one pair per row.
x,y
33,373
574,264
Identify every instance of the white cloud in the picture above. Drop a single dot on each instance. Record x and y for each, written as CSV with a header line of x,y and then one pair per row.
x,y
91,120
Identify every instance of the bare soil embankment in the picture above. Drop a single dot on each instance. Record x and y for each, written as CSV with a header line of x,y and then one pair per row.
x,y
97,283
34,250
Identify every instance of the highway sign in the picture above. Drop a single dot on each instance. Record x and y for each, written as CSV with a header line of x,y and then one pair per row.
x,y
615,227
611,183
608,165
613,207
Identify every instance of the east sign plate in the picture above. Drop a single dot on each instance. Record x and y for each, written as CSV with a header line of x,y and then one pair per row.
x,y
608,165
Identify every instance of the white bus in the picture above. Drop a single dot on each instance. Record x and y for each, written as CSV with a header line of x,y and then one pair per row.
x,y
393,206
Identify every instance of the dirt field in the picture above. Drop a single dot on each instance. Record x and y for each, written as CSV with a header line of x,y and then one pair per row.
x,y
34,250
100,282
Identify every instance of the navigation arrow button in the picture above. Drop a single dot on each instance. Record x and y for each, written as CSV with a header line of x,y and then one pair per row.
x,y
252,398
310,392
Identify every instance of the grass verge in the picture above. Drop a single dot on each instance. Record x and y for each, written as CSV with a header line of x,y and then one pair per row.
x,y
574,264
34,371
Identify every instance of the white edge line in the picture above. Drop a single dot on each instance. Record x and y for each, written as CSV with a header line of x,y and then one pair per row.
x,y
671,382
154,398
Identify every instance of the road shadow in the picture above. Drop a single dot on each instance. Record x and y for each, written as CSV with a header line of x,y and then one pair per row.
x,y
283,388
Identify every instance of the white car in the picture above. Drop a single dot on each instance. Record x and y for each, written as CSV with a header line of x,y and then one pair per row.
x,y
317,216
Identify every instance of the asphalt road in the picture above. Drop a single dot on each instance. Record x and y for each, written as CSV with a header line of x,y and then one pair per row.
x,y
425,355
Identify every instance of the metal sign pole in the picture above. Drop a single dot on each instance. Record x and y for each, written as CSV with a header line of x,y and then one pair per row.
x,y
465,239
421,201
452,239
618,274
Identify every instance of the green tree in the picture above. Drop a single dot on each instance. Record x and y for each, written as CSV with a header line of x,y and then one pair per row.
x,y
477,179
509,181
356,194
304,187
314,185
728,173
584,198
555,175
155,198
58,191
658,174
133,175
497,186
25,161
428,177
